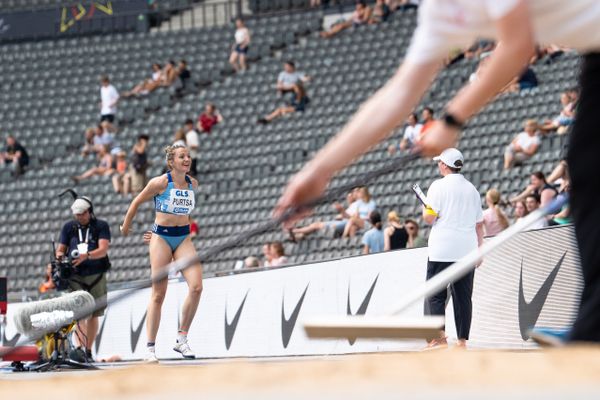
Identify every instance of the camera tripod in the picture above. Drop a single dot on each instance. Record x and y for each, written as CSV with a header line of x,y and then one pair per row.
x,y
55,346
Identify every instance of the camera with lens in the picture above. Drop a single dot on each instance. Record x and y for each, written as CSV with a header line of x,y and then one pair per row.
x,y
63,270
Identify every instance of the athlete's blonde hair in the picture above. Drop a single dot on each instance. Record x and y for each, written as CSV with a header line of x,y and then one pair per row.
x,y
170,153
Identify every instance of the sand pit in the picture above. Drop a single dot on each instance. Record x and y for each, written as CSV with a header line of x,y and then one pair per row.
x,y
553,372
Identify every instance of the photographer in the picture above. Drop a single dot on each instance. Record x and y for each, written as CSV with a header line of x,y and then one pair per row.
x,y
84,242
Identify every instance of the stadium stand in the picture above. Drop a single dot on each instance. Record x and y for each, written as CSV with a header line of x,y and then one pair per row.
x,y
50,95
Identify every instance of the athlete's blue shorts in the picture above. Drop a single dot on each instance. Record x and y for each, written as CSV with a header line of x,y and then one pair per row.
x,y
173,235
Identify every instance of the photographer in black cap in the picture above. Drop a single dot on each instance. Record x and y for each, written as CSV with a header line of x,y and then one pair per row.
x,y
84,241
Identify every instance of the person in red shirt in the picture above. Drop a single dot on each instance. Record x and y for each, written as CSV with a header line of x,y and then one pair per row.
x,y
209,118
427,120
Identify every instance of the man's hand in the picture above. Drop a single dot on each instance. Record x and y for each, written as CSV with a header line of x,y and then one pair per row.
x,y
80,259
339,207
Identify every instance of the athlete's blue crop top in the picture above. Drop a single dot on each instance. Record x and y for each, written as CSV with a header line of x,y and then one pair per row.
x,y
176,201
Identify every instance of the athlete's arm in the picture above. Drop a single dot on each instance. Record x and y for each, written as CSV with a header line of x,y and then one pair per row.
x,y
374,121
154,187
515,48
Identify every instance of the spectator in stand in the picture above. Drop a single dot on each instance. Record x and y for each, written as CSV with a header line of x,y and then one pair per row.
x,y
373,240
15,154
361,16
169,73
193,228
527,80
411,134
138,164
298,104
564,119
48,284
414,240
494,219
523,146
251,262
359,212
104,136
381,12
267,255
277,252
289,77
209,118
532,202
147,85
183,75
88,145
520,210
179,138
120,179
337,225
193,143
427,116
109,97
539,187
237,59
104,167
395,235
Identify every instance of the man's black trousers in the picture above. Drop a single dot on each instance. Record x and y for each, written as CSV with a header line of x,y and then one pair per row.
x,y
461,298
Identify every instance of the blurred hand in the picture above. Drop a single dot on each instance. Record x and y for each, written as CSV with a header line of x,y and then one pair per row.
x,y
306,186
147,236
79,260
437,139
124,229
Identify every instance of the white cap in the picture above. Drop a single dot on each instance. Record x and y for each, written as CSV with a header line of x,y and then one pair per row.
x,y
80,206
451,157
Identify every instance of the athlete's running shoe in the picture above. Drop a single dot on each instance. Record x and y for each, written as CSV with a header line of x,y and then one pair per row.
x,y
151,357
184,349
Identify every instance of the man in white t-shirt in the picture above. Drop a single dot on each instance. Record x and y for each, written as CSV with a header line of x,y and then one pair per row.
x,y
289,77
193,143
523,146
532,203
454,210
109,97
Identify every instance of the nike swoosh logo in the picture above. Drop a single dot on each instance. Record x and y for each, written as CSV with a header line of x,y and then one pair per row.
x,y
99,335
362,310
11,342
135,333
231,327
529,312
287,325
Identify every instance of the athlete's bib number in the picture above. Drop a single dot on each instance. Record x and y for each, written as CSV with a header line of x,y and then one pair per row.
x,y
181,202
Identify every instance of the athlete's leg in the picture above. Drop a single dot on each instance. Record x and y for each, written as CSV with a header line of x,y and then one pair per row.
x,y
193,277
160,255
584,164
